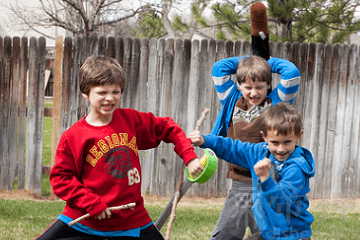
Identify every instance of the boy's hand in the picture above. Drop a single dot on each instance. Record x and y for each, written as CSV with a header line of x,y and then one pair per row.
x,y
105,214
262,169
195,168
196,138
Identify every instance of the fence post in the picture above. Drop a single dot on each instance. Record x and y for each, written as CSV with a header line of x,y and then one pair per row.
x,y
56,130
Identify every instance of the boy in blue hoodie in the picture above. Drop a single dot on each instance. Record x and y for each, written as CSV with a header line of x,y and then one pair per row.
x,y
280,201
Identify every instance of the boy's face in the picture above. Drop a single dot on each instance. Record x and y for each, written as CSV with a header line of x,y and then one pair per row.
x,y
103,100
254,92
281,146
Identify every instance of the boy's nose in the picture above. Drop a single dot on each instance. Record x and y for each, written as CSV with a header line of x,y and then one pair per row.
x,y
281,148
109,97
254,92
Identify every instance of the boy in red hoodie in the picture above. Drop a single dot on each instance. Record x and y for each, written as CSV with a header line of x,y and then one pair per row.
x,y
97,163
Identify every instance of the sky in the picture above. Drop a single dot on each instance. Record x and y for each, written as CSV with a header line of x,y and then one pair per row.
x,y
7,20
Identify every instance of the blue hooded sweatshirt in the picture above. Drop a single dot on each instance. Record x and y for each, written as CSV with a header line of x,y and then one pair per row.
x,y
280,206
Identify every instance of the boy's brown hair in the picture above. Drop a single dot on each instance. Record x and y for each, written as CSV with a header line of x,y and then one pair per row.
x,y
254,68
282,118
100,70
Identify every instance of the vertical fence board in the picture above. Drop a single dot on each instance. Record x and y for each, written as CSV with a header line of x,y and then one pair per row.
x,y
331,120
355,140
193,95
75,96
315,114
143,73
153,90
166,150
41,51
308,81
1,104
119,53
14,110
22,112
126,96
111,47
133,80
324,88
347,175
67,83
5,163
58,82
288,51
246,48
338,166
31,116
102,46
237,50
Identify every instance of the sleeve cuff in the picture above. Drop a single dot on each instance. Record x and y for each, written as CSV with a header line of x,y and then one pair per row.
x,y
188,155
97,209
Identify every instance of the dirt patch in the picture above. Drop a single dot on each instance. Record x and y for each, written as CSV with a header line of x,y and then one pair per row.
x,y
21,194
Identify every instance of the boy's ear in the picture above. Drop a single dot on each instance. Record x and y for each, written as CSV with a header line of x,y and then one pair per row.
x,y
263,136
299,136
85,96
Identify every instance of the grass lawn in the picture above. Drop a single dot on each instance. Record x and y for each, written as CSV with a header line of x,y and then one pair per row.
x,y
24,218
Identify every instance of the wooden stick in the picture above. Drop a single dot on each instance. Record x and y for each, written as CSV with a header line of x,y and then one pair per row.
x,y
126,206
177,194
202,118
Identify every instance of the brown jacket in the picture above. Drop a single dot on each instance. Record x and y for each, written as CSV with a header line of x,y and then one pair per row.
x,y
247,129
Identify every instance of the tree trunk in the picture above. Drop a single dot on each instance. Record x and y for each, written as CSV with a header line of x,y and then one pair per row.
x,y
283,26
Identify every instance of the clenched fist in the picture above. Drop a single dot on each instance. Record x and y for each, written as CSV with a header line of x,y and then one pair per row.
x,y
262,169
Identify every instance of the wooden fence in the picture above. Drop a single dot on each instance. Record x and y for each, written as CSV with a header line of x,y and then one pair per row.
x,y
173,78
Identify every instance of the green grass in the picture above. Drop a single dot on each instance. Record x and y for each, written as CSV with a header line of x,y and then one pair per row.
x,y
195,218
47,134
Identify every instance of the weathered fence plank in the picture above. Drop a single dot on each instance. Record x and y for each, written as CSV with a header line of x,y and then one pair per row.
x,y
2,119
143,79
68,84
338,166
153,90
126,95
166,60
331,120
35,115
5,163
58,82
134,74
14,110
355,140
347,175
323,116
22,112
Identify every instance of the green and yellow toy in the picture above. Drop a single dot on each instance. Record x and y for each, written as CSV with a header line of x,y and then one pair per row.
x,y
209,162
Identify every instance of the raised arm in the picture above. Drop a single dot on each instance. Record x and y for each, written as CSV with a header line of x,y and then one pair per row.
x,y
289,84
221,74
